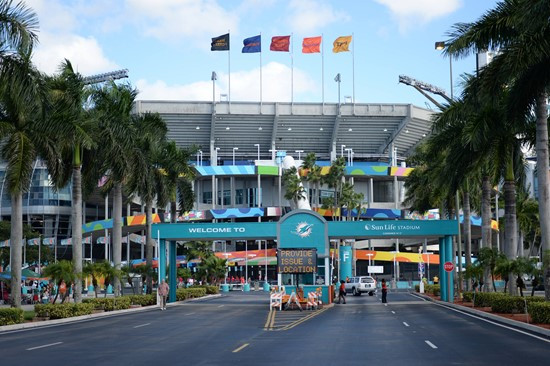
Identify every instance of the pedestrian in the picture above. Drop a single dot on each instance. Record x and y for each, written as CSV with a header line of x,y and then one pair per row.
x,y
384,292
520,285
342,292
163,293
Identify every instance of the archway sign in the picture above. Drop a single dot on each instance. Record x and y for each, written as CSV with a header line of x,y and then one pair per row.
x,y
308,231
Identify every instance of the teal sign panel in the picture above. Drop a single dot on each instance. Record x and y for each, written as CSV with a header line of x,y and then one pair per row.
x,y
303,229
345,261
392,228
215,231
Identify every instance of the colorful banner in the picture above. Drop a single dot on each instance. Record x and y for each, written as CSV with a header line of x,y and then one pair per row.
x,y
220,43
280,43
101,240
5,243
137,238
49,241
87,240
35,241
252,44
68,241
311,45
341,44
399,257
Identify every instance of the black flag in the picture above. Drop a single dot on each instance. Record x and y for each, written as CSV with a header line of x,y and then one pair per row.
x,y
220,43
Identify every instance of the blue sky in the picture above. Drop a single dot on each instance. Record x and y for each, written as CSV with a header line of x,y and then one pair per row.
x,y
165,44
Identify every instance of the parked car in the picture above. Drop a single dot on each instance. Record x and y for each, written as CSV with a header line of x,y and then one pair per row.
x,y
361,284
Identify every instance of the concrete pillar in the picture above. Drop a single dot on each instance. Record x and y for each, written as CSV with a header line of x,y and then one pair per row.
x,y
345,261
162,259
173,271
442,277
449,257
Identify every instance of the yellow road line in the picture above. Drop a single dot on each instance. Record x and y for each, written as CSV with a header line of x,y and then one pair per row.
x,y
292,325
269,315
240,348
272,320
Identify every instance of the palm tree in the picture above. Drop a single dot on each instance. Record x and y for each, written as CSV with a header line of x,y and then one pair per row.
x,y
488,258
59,272
519,29
75,129
213,268
334,179
294,191
146,177
94,270
113,106
21,96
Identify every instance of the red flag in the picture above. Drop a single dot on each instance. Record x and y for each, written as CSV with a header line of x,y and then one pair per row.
x,y
311,45
280,43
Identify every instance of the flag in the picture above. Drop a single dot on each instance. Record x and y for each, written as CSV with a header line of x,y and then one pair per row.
x,y
68,241
124,239
35,241
311,45
280,43
341,44
49,241
5,243
87,240
252,44
101,240
220,43
137,238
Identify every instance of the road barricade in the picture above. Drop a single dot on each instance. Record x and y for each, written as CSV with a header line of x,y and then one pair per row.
x,y
276,300
312,300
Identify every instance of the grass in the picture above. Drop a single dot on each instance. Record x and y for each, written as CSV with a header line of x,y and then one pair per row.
x,y
28,315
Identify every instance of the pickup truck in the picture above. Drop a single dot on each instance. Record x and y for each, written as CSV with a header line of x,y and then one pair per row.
x,y
361,284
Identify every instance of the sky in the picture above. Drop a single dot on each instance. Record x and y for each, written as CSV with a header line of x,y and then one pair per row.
x,y
165,45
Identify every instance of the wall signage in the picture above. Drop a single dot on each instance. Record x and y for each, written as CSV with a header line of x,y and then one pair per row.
x,y
297,260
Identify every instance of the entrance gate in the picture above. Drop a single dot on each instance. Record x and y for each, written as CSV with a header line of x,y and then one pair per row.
x,y
304,229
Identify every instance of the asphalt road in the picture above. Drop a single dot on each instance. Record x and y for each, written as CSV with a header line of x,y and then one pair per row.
x,y
230,331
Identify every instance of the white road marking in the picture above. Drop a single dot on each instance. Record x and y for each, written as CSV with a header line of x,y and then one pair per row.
x,y
431,344
240,348
141,325
385,304
405,324
43,346
221,306
188,314
393,312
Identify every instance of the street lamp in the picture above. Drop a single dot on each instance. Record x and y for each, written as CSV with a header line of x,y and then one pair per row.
x,y
299,152
258,146
217,156
440,46
214,78
342,150
370,263
338,80
200,152
198,158
349,151
234,149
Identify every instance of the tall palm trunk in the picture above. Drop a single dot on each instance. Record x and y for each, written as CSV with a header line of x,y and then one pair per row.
x,y
149,243
544,182
486,221
16,237
510,234
117,235
76,212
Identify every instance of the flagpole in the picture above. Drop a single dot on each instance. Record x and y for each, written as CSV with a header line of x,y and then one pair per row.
x,y
291,70
260,73
323,72
229,68
39,247
25,249
353,66
55,249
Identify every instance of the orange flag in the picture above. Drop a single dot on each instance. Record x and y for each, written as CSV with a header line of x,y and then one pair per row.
x,y
341,44
311,45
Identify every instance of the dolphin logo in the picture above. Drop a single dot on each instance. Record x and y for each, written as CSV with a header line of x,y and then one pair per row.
x,y
303,229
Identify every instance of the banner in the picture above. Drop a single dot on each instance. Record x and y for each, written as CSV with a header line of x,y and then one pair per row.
x,y
220,43
68,241
252,44
35,241
312,45
341,44
101,240
297,260
5,243
280,43
49,241
87,240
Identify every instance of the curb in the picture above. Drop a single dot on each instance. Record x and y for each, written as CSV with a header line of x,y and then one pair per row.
x,y
107,314
498,319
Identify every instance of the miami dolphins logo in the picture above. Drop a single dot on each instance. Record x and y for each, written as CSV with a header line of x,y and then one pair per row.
x,y
303,229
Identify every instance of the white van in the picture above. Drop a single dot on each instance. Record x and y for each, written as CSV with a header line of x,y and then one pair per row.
x,y
361,284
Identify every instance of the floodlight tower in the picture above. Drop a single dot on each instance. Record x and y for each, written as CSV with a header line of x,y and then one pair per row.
x,y
423,87
109,76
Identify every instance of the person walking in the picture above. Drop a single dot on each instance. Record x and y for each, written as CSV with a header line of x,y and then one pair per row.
x,y
342,292
384,292
163,293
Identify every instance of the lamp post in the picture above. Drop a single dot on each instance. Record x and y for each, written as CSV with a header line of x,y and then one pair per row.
x,y
299,152
338,80
370,263
440,46
258,146
349,150
234,149
200,151
342,150
214,78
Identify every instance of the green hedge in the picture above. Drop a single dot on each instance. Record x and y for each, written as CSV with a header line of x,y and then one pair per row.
x,y
432,289
485,299
11,316
60,311
540,312
210,290
110,304
189,293
513,304
417,288
468,296
143,300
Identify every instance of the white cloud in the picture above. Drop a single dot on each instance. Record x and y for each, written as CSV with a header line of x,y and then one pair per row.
x,y
85,54
245,85
409,12
311,15
172,19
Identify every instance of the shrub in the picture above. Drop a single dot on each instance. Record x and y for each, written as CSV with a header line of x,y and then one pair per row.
x,y
467,296
143,300
513,304
11,316
485,299
189,293
61,311
210,290
28,315
540,312
433,289
42,310
97,303
110,304
417,288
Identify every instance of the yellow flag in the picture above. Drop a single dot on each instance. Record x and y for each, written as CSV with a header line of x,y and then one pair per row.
x,y
341,44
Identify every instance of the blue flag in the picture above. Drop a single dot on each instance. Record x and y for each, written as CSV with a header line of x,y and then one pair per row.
x,y
252,44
